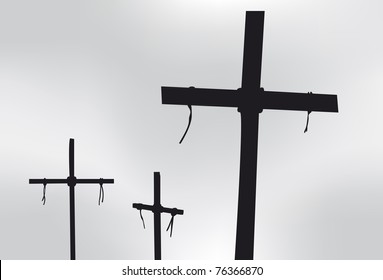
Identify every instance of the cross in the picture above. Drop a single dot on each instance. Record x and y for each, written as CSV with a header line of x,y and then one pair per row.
x,y
157,209
71,181
250,100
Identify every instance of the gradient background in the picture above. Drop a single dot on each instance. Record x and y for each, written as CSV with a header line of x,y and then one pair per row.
x,y
93,70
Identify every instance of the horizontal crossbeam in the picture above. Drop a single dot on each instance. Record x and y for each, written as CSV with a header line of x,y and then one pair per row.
x,y
265,99
77,181
173,211
299,101
199,96
48,181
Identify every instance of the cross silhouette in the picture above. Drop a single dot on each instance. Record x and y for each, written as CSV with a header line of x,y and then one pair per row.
x,y
72,181
250,100
157,209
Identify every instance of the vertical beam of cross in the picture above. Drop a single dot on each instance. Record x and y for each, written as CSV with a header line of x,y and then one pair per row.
x,y
157,216
71,181
71,184
251,83
157,209
250,100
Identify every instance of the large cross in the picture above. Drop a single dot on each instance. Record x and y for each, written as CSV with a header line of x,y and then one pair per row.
x,y
250,100
157,209
71,181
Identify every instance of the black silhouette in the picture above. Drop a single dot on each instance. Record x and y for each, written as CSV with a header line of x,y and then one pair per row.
x,y
157,209
189,123
250,100
72,181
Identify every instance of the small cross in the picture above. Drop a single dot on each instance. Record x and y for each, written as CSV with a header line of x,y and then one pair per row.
x,y
72,181
157,209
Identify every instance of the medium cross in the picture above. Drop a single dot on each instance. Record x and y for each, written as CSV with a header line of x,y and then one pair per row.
x,y
250,100
157,209
71,181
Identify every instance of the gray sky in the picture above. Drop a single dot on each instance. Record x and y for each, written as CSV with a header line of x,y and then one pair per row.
x,y
92,71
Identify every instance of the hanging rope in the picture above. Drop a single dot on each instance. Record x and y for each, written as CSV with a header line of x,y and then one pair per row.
x,y
142,218
187,128
171,225
44,189
101,194
308,118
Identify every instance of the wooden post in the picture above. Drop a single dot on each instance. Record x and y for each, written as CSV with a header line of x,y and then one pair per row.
x,y
157,216
157,210
71,181
250,100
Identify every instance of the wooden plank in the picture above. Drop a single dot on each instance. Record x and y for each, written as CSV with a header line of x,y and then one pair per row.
x,y
173,211
199,96
140,206
71,157
48,181
252,51
299,101
95,181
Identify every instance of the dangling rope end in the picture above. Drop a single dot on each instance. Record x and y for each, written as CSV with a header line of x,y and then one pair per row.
x,y
187,128
171,225
44,189
101,194
142,218
308,118
307,122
